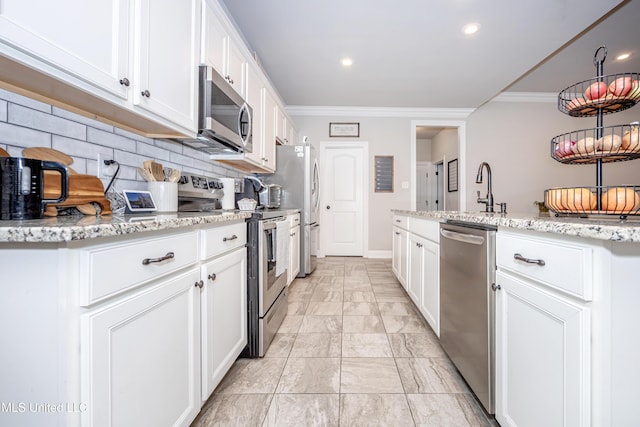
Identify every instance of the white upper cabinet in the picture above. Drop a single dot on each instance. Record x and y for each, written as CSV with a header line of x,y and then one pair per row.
x,y
132,63
166,61
88,39
220,51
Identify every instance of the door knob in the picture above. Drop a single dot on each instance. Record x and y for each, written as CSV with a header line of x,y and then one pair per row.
x,y
328,207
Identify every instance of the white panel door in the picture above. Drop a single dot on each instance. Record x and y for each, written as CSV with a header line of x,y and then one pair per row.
x,y
343,200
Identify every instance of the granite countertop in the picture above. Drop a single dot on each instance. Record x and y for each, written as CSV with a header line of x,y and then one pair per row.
x,y
612,229
69,228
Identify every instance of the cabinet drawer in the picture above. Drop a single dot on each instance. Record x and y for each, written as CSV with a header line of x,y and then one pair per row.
x,y
400,221
567,265
218,240
429,229
294,220
111,269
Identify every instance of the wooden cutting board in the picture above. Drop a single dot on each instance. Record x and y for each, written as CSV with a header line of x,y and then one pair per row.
x,y
44,153
3,153
83,190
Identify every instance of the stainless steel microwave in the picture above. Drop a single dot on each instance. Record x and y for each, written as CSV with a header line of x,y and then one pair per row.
x,y
224,121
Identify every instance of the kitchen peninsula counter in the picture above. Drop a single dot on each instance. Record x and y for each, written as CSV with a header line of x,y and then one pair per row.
x,y
74,228
611,229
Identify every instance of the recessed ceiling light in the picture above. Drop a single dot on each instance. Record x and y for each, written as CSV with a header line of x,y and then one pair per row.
x,y
623,56
471,28
346,62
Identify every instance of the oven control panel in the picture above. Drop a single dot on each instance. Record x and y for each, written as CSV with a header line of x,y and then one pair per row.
x,y
192,185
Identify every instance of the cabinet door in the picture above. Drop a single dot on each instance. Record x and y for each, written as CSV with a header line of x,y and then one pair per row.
x,y
214,40
254,99
166,58
140,357
399,250
542,357
236,69
223,316
269,123
89,40
430,297
294,254
416,268
281,125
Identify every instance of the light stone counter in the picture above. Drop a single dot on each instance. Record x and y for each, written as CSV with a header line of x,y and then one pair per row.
x,y
70,228
612,229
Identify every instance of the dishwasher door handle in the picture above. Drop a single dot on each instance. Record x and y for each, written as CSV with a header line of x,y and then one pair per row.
x,y
462,237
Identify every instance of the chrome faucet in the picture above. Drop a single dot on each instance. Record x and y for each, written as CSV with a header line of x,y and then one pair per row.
x,y
488,201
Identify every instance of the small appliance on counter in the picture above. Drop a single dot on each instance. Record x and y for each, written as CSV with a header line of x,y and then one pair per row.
x,y
271,196
22,187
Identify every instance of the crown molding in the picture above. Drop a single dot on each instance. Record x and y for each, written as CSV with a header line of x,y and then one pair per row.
x,y
526,97
417,113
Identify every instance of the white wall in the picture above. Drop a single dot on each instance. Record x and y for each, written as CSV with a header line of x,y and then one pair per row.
x,y
514,138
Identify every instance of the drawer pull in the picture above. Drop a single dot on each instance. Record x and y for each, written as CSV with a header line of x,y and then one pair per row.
x,y
495,287
212,276
519,257
169,255
199,284
226,239
397,220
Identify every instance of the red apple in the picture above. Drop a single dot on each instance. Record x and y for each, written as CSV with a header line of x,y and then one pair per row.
x,y
564,148
576,103
596,91
621,86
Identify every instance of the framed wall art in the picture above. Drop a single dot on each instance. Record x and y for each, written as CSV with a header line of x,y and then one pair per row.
x,y
349,130
452,175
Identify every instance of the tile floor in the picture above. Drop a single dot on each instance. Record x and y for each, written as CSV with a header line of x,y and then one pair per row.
x,y
352,351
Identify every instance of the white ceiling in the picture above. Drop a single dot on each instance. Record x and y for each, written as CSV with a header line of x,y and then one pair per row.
x,y
412,53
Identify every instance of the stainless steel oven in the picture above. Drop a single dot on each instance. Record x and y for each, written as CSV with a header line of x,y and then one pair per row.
x,y
272,298
266,289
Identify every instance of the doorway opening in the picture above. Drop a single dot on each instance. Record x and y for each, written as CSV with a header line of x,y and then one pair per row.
x,y
434,146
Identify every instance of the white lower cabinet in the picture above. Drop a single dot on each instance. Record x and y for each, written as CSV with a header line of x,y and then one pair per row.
x,y
140,357
223,316
542,357
423,281
294,254
400,261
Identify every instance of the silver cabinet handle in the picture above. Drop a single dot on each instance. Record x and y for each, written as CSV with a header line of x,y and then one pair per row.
x,y
169,255
212,277
495,287
199,284
397,233
146,93
519,257
397,220
125,82
226,239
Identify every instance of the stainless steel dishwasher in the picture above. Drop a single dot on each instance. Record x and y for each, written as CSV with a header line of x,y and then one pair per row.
x,y
467,303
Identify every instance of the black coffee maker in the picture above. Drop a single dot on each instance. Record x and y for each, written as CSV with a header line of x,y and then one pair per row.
x,y
22,187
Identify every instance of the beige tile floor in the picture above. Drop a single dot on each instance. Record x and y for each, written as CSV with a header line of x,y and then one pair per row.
x,y
352,351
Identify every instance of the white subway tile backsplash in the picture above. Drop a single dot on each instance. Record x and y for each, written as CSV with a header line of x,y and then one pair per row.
x,y
151,151
169,145
97,136
34,119
14,98
76,148
35,124
23,137
132,135
59,112
3,111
